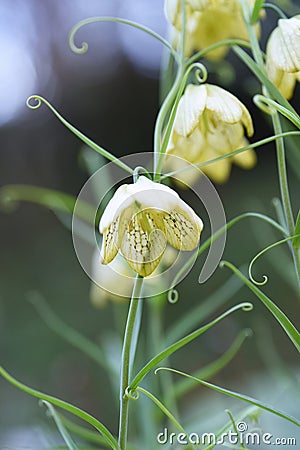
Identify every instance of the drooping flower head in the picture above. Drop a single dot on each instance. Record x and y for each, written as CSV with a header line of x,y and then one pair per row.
x,y
283,55
207,22
210,122
141,219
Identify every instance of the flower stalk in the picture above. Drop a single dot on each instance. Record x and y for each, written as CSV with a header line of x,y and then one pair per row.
x,y
127,361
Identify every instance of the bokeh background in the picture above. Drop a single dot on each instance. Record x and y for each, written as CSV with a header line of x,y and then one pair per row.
x,y
112,95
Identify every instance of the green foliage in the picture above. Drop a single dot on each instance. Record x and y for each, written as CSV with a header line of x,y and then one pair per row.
x,y
164,396
236,395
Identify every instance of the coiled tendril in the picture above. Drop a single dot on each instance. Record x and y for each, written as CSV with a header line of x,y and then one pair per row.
x,y
173,296
131,394
246,306
38,102
275,244
200,73
84,46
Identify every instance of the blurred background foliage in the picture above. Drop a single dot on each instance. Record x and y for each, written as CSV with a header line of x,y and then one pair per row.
x,y
111,94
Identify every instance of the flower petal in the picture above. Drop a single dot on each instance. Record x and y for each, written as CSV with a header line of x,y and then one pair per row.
x,y
185,178
285,44
217,23
189,148
218,171
190,108
227,107
172,12
224,137
182,230
109,247
284,81
247,159
120,200
142,240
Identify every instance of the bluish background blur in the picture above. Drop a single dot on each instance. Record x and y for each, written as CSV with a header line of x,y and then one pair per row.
x,y
112,95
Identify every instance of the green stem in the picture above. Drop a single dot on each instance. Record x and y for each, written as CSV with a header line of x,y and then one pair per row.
x,y
284,190
166,106
282,174
158,340
127,360
280,150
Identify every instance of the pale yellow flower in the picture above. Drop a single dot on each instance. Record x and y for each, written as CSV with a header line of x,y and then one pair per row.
x,y
208,22
210,122
141,219
283,55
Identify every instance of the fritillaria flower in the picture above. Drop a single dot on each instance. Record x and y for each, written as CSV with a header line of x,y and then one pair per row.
x,y
207,22
283,55
210,122
141,219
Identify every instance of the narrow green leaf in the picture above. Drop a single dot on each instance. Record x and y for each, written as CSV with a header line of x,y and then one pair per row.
x,y
256,11
237,395
66,436
39,100
64,405
296,241
162,407
283,320
183,386
182,342
86,434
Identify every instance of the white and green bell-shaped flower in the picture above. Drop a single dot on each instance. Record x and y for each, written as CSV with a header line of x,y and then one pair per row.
x,y
141,219
283,55
210,122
